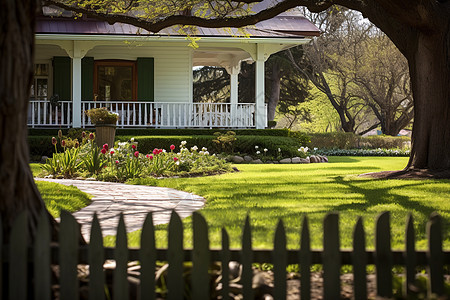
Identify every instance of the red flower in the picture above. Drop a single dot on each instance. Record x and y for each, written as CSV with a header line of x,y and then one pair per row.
x,y
91,136
175,158
63,143
155,151
54,141
136,153
103,151
172,147
160,151
150,157
133,146
105,146
117,162
112,152
83,134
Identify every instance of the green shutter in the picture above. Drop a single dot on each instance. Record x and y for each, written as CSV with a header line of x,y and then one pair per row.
x,y
87,78
146,77
62,77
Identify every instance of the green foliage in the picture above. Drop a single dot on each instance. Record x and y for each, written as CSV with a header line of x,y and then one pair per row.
x,y
93,160
363,152
348,140
288,145
225,141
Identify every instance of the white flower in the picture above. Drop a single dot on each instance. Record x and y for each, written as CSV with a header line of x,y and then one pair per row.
x,y
177,163
306,149
258,152
256,147
132,139
195,148
315,148
206,153
301,149
164,151
265,150
204,149
183,143
201,152
279,149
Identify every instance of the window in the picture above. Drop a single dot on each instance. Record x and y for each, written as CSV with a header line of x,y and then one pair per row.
x,y
115,80
39,86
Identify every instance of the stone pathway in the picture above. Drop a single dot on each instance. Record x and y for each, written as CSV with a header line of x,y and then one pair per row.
x,y
109,199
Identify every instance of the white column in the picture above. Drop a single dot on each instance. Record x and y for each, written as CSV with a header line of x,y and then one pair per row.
x,y
259,89
234,91
76,92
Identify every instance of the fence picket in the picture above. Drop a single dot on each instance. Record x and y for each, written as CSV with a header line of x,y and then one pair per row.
x,y
175,258
18,254
96,260
410,256
41,258
225,264
2,289
147,254
279,262
120,282
435,256
201,258
247,260
69,237
305,261
383,256
359,259
331,257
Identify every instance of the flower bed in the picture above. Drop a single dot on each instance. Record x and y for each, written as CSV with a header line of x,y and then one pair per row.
x,y
125,161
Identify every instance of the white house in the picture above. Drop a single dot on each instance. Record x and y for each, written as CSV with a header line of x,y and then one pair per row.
x,y
146,77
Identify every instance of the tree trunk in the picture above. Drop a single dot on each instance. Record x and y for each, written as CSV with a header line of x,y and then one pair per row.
x,y
430,78
17,188
274,97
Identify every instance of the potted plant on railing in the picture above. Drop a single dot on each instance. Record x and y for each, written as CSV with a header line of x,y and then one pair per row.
x,y
105,125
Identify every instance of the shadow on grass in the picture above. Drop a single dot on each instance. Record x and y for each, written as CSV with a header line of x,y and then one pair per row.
x,y
383,195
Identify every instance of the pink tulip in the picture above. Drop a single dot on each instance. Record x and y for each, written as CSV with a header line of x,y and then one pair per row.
x,y
133,146
136,153
172,147
117,162
105,146
175,158
103,151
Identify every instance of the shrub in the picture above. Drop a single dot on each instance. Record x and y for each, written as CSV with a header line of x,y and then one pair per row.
x,y
225,141
101,116
348,140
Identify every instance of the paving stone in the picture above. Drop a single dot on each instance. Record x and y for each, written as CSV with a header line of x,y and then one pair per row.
x,y
110,199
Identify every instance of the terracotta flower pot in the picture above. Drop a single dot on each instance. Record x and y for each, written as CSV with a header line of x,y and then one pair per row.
x,y
105,134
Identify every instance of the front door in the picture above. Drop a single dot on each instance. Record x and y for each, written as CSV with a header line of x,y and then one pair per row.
x,y
115,80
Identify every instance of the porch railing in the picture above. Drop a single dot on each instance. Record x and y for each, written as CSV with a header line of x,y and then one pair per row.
x,y
148,114
43,113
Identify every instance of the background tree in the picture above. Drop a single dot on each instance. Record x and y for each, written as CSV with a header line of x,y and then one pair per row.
x,y
382,81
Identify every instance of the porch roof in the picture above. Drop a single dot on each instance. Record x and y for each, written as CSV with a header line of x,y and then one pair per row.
x,y
287,25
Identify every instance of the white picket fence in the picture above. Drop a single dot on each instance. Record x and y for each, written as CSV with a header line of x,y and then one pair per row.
x,y
136,114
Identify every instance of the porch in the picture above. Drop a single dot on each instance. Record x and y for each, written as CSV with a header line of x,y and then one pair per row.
x,y
43,114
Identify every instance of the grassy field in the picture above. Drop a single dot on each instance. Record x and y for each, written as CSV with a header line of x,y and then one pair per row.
x,y
58,197
270,192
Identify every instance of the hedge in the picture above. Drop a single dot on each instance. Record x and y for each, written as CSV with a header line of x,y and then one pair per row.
x,y
348,140
245,144
168,132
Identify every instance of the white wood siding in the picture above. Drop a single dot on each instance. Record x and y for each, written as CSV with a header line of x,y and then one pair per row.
x,y
173,68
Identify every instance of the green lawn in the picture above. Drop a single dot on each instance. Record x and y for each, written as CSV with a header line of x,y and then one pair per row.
x,y
270,192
